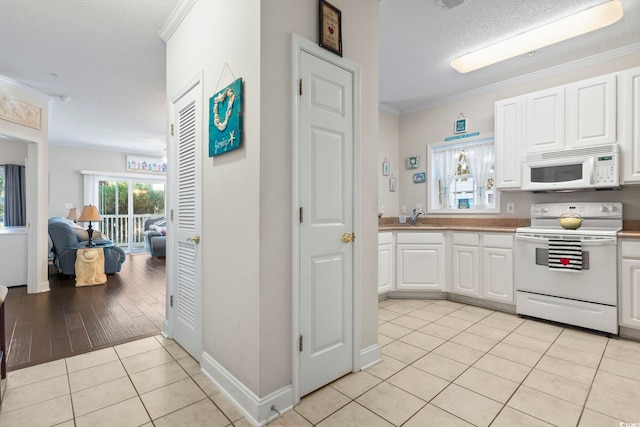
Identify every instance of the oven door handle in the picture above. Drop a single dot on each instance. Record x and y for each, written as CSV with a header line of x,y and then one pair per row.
x,y
601,241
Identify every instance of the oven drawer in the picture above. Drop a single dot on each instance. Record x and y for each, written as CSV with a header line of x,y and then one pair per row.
x,y
585,314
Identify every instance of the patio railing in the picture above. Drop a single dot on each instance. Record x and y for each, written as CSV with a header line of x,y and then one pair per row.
x,y
116,228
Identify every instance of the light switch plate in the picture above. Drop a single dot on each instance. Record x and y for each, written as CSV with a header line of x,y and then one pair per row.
x,y
403,209
511,208
419,206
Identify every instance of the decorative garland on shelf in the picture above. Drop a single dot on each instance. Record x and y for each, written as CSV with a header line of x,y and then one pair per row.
x,y
216,116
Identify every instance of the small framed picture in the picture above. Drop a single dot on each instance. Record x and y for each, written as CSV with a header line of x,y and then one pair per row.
x,y
413,162
419,178
392,184
385,168
463,203
461,125
330,28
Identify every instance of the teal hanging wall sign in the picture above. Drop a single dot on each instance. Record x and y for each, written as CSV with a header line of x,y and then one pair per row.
x,y
225,119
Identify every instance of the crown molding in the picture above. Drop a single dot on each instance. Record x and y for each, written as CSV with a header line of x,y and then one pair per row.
x,y
387,109
17,85
175,19
547,72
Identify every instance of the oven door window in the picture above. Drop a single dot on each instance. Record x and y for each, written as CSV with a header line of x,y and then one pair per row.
x,y
542,258
556,174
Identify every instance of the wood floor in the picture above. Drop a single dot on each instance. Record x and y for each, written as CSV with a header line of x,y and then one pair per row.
x,y
69,320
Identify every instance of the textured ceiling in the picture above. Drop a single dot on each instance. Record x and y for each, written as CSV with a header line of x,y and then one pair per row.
x,y
110,61
419,38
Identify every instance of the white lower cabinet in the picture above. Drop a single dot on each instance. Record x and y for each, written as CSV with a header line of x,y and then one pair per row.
x,y
483,266
629,295
497,266
480,264
466,264
420,261
386,262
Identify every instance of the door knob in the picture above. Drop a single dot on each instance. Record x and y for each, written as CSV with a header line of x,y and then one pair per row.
x,y
195,240
348,237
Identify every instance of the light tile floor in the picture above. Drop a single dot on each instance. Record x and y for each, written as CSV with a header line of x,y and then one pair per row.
x,y
444,364
149,382
451,364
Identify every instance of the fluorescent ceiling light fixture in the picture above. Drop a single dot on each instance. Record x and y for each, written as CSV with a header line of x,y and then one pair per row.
x,y
563,29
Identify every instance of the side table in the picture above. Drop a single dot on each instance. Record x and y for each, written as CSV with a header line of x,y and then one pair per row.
x,y
89,264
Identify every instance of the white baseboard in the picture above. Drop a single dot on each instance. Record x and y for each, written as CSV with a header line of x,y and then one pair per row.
x,y
370,356
257,410
166,330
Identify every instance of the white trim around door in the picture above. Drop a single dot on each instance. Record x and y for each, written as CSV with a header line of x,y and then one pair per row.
x,y
298,45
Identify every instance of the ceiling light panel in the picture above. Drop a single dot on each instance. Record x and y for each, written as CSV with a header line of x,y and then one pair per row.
x,y
563,29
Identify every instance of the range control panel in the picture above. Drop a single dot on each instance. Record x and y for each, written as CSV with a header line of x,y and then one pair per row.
x,y
584,209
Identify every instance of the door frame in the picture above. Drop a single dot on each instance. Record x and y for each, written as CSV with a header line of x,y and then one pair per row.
x,y
300,44
170,207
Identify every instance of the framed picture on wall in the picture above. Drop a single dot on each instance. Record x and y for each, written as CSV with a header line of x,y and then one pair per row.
x,y
330,28
385,168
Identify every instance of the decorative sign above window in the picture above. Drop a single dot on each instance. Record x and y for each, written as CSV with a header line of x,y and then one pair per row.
x,y
225,119
146,164
460,125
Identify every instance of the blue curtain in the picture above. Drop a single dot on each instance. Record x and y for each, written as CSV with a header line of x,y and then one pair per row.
x,y
14,192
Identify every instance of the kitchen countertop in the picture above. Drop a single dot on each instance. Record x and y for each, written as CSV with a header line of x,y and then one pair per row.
x,y
631,228
496,225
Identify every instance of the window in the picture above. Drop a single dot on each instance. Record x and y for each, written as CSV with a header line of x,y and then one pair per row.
x,y
1,195
461,177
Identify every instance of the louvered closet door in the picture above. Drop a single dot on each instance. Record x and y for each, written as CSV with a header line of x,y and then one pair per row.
x,y
187,140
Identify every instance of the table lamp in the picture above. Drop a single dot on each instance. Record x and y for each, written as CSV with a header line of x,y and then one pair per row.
x,y
90,213
72,215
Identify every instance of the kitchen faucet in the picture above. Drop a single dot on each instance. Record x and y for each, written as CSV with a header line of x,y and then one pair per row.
x,y
414,216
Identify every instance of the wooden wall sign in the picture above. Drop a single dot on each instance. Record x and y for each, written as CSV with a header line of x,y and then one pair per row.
x,y
225,119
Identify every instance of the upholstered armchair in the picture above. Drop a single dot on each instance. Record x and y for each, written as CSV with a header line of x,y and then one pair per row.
x,y
66,239
155,238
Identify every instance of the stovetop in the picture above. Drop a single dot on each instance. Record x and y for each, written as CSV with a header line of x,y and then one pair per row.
x,y
599,218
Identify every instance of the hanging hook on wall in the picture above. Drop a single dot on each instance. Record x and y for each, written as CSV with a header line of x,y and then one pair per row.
x,y
225,68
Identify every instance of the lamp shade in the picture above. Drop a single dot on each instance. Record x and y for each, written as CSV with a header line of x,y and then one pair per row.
x,y
89,213
73,214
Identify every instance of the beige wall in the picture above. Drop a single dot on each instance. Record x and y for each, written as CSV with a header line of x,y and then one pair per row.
x,y
66,182
247,268
216,33
13,152
433,125
388,148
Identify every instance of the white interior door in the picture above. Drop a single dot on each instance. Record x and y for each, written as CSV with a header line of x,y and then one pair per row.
x,y
326,200
187,220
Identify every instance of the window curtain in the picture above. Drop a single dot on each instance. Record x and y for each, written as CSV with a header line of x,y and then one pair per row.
x,y
480,158
14,192
446,161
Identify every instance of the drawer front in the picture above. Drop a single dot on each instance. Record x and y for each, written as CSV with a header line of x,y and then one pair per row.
x,y
466,239
424,237
385,238
498,241
630,248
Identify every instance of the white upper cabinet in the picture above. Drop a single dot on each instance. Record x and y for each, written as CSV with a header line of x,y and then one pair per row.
x,y
508,143
544,118
629,117
591,112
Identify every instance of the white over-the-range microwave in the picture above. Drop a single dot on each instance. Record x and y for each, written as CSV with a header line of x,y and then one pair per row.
x,y
585,168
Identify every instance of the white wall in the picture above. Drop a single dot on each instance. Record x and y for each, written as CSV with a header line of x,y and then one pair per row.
x,y
12,152
216,33
360,45
388,148
246,241
66,182
433,125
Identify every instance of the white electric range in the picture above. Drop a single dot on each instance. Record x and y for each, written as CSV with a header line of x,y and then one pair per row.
x,y
579,286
